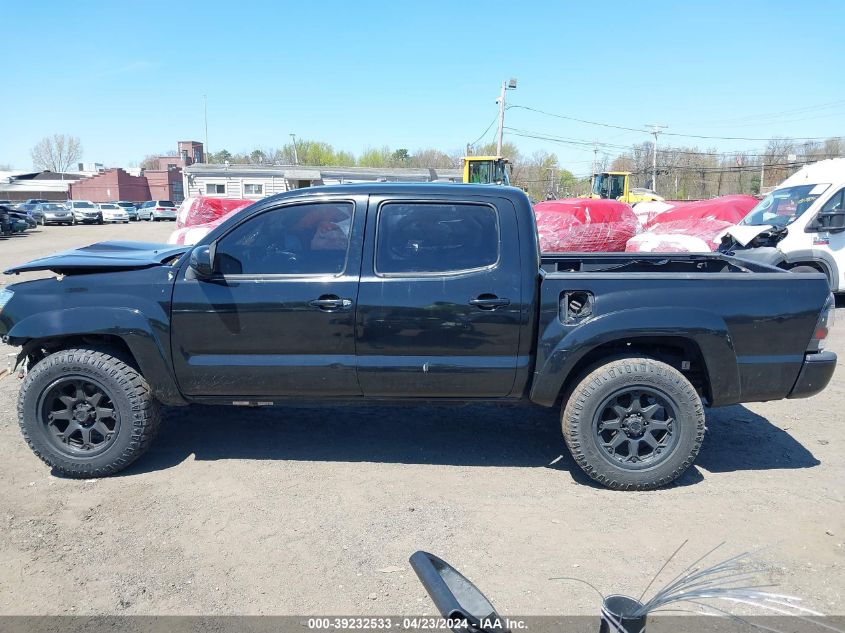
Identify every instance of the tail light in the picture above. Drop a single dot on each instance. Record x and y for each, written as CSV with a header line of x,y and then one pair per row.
x,y
823,326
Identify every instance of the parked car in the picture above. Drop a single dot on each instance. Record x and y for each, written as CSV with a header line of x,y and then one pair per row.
x,y
113,212
52,213
23,220
12,221
407,293
155,210
5,221
129,207
26,207
85,212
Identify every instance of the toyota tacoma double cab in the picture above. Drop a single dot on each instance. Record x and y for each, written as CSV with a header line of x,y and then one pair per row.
x,y
407,293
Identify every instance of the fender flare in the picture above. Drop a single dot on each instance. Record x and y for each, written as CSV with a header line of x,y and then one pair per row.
x,y
142,336
820,257
706,330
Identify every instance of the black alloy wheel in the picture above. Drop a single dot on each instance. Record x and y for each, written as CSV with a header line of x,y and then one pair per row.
x,y
635,427
79,416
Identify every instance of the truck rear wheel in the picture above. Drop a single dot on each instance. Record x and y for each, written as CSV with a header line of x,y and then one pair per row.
x,y
87,413
634,424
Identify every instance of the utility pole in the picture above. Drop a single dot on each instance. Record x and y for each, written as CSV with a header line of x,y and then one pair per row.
x,y
205,116
295,155
655,130
762,173
506,85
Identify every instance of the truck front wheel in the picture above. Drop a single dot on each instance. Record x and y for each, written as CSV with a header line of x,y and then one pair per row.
x,y
634,424
87,413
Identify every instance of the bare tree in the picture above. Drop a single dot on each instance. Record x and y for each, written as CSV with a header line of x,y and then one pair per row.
x,y
56,153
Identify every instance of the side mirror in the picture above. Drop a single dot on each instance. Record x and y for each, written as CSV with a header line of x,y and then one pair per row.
x,y
202,262
832,222
455,597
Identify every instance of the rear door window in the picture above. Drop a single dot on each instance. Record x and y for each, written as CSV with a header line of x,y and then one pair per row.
x,y
416,238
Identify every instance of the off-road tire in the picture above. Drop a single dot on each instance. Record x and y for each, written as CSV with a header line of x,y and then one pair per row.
x,y
581,408
139,411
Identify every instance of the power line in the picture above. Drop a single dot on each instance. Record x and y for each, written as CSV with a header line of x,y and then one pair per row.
x,y
570,118
751,153
777,115
484,133
645,131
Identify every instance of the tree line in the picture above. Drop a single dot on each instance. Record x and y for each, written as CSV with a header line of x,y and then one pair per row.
x,y
688,172
682,172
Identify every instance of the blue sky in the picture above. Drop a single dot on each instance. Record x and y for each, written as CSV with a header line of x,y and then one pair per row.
x,y
128,79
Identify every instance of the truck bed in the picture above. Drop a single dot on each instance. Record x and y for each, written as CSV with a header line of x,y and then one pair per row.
x,y
743,324
649,263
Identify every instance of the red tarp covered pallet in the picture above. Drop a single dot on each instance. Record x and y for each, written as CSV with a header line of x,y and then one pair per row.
x,y
691,227
584,225
204,209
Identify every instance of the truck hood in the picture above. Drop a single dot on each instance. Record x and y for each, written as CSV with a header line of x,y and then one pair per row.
x,y
104,257
743,234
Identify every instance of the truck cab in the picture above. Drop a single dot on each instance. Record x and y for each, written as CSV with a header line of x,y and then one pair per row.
x,y
616,185
486,170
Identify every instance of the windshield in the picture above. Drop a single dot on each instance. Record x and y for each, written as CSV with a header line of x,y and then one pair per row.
x,y
83,205
782,206
109,206
609,185
165,203
479,172
51,207
125,204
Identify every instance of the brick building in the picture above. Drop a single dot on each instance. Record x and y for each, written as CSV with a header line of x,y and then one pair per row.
x,y
189,152
164,184
111,185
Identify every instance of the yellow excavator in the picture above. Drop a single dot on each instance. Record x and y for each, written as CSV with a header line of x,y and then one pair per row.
x,y
486,170
616,185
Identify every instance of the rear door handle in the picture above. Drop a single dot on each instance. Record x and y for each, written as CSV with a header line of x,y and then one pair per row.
x,y
330,302
489,302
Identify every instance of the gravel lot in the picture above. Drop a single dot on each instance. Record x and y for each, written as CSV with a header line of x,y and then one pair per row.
x,y
315,511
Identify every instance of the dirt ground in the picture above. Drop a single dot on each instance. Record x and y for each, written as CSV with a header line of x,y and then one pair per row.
x,y
315,511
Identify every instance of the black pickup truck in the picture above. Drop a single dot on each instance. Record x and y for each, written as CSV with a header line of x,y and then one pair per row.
x,y
422,293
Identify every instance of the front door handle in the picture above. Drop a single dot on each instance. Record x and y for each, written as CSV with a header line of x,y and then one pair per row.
x,y
330,302
489,302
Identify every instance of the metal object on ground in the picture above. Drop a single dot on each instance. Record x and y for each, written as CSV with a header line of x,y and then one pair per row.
x,y
618,615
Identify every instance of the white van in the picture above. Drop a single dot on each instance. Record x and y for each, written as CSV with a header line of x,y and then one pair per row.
x,y
800,223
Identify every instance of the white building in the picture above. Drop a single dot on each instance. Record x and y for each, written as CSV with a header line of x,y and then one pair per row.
x,y
19,186
258,181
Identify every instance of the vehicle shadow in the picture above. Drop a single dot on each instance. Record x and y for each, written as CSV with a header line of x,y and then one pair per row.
x,y
737,439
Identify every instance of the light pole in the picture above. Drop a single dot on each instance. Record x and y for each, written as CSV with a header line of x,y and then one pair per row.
x,y
295,155
551,194
205,116
655,130
506,85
